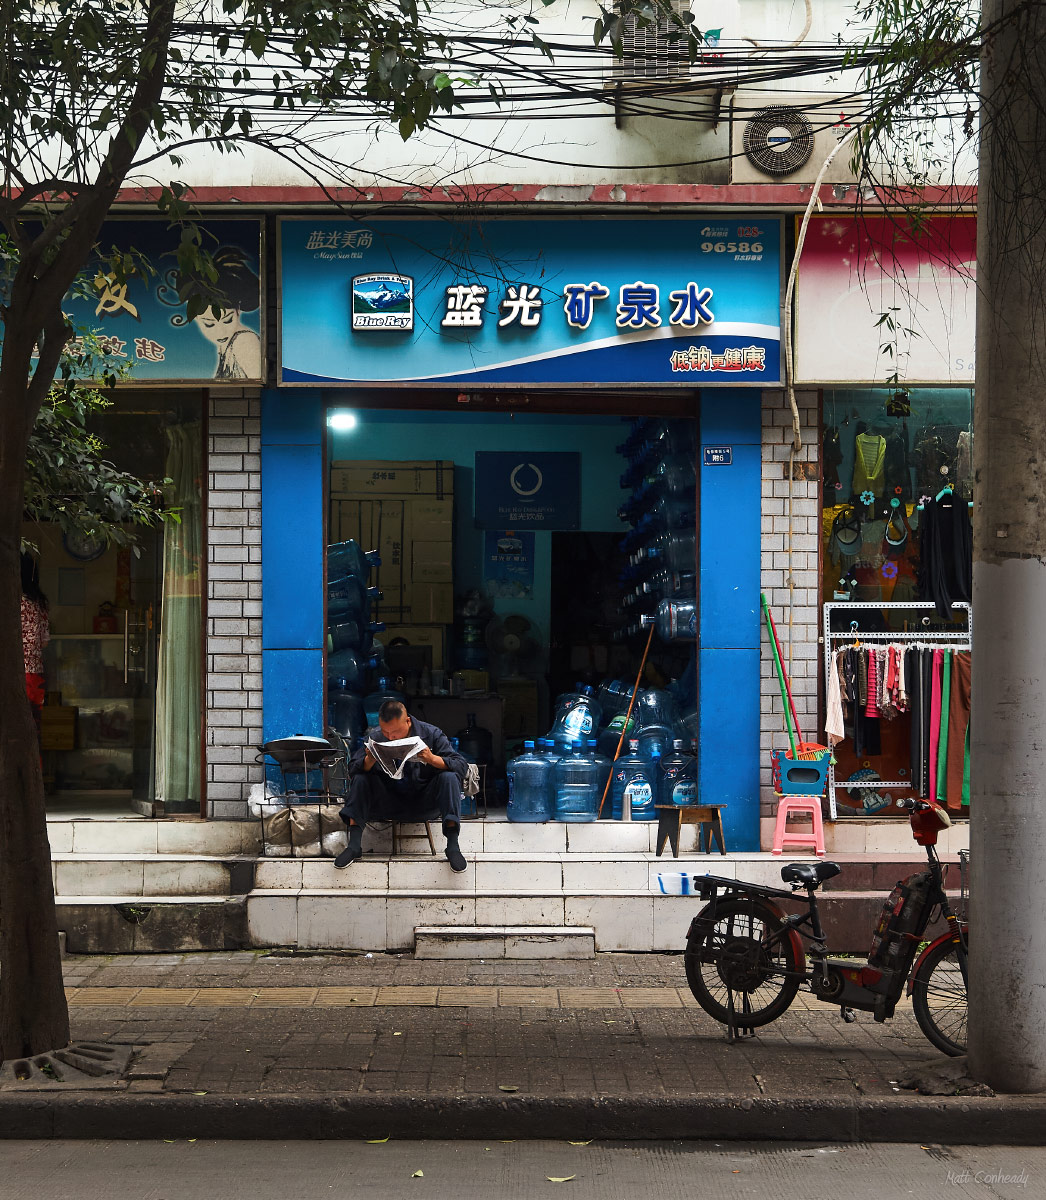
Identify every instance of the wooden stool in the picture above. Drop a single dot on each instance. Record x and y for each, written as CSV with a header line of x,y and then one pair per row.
x,y
672,817
396,835
798,806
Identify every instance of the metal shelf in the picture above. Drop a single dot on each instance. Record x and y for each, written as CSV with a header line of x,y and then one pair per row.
x,y
961,639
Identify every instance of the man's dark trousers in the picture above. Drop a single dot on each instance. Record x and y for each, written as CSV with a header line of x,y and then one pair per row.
x,y
374,797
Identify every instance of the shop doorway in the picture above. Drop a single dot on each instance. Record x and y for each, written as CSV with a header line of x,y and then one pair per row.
x,y
121,723
488,617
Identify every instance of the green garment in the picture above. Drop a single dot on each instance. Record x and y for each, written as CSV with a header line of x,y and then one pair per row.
x,y
942,744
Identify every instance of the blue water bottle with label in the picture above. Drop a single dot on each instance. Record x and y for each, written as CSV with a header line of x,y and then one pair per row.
x,y
678,777
528,790
632,794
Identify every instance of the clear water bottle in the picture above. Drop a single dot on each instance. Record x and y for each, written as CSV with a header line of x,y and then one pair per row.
x,y
528,786
577,787
604,764
677,473
469,808
578,716
678,776
654,706
353,635
675,620
351,668
548,750
346,558
655,739
632,792
345,711
348,598
377,698
613,697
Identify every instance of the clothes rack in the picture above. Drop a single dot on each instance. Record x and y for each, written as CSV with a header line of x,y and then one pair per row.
x,y
960,639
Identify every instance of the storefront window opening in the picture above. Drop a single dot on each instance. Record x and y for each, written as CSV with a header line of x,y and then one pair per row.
x,y
495,597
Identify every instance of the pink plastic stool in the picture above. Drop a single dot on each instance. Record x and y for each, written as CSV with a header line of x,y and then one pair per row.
x,y
803,806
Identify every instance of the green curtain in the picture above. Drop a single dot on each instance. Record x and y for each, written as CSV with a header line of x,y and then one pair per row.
x,y
178,682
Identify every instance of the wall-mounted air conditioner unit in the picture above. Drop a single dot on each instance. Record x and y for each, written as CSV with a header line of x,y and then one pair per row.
x,y
787,136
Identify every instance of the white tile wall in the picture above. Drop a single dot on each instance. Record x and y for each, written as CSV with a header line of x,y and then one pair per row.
x,y
234,692
790,576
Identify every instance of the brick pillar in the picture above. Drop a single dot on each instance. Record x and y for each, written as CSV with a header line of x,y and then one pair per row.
x,y
234,602
792,584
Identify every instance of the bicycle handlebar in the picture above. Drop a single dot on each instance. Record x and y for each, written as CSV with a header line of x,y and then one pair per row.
x,y
911,804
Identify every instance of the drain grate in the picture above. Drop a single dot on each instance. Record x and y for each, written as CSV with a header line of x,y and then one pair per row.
x,y
82,1064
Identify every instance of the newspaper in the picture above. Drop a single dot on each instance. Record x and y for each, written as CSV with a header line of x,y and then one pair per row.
x,y
393,756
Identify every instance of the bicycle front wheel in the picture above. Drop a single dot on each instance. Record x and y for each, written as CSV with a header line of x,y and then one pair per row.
x,y
939,999
743,967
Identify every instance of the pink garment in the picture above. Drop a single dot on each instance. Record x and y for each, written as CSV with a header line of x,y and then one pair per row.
x,y
871,708
935,716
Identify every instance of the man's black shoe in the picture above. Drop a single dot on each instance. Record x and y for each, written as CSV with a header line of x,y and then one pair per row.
x,y
349,855
455,857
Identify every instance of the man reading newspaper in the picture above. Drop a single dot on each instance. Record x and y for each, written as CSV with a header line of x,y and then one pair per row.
x,y
405,770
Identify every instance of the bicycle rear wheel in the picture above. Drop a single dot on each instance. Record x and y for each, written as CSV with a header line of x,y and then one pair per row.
x,y
739,969
939,999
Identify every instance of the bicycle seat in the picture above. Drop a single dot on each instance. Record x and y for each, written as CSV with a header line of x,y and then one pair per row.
x,y
810,874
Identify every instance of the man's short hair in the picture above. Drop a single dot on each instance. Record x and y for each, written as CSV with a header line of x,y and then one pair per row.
x,y
391,710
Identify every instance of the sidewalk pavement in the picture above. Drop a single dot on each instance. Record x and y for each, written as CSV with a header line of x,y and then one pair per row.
x,y
255,1044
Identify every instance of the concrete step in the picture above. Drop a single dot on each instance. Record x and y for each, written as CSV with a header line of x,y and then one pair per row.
x,y
190,835
520,873
504,941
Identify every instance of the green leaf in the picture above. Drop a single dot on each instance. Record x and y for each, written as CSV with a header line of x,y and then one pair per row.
x,y
407,126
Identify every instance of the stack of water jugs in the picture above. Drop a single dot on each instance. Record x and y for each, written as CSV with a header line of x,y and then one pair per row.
x,y
659,583
354,658
563,777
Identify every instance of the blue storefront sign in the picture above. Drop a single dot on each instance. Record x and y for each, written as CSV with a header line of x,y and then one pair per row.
x,y
555,302
142,322
528,489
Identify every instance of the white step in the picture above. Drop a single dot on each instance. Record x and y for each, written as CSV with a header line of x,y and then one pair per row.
x,y
504,941
193,836
522,874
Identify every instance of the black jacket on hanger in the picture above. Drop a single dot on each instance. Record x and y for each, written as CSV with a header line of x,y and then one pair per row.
x,y
946,553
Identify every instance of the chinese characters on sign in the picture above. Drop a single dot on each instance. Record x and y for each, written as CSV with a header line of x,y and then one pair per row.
x,y
733,358
638,306
145,349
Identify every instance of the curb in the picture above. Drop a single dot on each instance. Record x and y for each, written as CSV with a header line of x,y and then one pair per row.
x,y
1018,1121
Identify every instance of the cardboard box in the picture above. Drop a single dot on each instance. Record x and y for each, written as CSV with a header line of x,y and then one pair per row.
x,y
432,562
58,727
431,520
392,478
434,636
431,603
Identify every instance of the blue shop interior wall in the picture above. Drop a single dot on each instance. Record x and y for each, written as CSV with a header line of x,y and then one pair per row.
x,y
457,437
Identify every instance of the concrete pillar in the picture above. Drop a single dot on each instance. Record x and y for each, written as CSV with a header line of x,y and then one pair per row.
x,y
1007,1030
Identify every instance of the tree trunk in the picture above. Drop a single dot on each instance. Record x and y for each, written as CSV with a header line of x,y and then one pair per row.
x,y
1007,1024
34,1016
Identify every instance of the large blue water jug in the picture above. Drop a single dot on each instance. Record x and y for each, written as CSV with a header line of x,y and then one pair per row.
x,y
348,598
613,696
655,739
678,776
346,558
546,747
576,778
528,786
675,620
353,635
654,706
578,716
378,697
633,788
345,711
351,667
604,764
